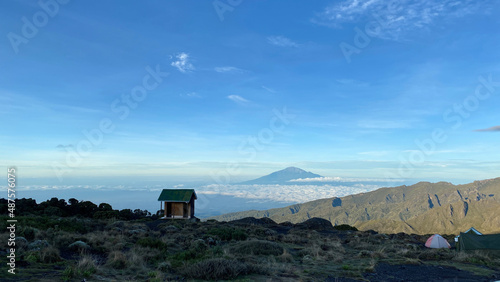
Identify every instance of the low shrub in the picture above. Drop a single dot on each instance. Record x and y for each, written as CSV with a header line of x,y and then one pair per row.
x,y
188,255
345,227
153,243
68,273
436,254
216,269
228,234
257,247
164,266
29,233
199,245
38,245
106,214
78,246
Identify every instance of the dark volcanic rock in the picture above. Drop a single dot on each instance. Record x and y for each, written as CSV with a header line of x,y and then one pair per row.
x,y
254,221
316,223
267,220
287,223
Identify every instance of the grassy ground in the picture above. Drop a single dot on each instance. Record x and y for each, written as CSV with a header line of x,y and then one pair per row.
x,y
73,249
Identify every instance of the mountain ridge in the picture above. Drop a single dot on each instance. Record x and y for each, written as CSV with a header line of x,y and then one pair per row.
x,y
421,208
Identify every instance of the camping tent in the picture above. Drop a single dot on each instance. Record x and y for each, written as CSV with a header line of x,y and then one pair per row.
x,y
437,242
471,230
472,241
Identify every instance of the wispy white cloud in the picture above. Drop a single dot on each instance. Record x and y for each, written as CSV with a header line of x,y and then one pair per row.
x,y
268,89
228,70
384,124
238,99
15,102
395,18
493,128
450,151
281,41
62,147
374,153
182,63
191,95
347,81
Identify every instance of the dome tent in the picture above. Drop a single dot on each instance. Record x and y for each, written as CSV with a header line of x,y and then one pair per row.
x,y
436,241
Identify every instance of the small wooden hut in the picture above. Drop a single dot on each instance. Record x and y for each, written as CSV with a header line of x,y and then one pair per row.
x,y
178,203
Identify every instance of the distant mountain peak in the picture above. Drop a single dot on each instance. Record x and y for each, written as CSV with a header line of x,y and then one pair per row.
x,y
293,169
283,176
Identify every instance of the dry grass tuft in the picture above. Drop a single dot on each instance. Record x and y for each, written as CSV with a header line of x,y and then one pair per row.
x,y
50,255
138,257
371,267
379,253
215,269
436,254
413,261
86,265
117,260
477,257
286,257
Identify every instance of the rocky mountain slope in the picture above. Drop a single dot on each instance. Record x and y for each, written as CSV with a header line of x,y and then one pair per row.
x,y
421,208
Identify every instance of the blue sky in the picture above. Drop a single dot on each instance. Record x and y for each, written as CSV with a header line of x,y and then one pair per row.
x,y
342,88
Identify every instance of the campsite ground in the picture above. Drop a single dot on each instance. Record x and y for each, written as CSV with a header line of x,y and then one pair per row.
x,y
247,249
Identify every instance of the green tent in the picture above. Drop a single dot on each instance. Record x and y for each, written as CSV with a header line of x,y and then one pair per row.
x,y
472,241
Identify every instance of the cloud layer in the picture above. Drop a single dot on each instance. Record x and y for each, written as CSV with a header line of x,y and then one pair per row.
x,y
285,193
341,179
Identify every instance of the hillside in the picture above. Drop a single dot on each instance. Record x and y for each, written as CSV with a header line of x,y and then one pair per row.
x,y
282,176
421,208
52,248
